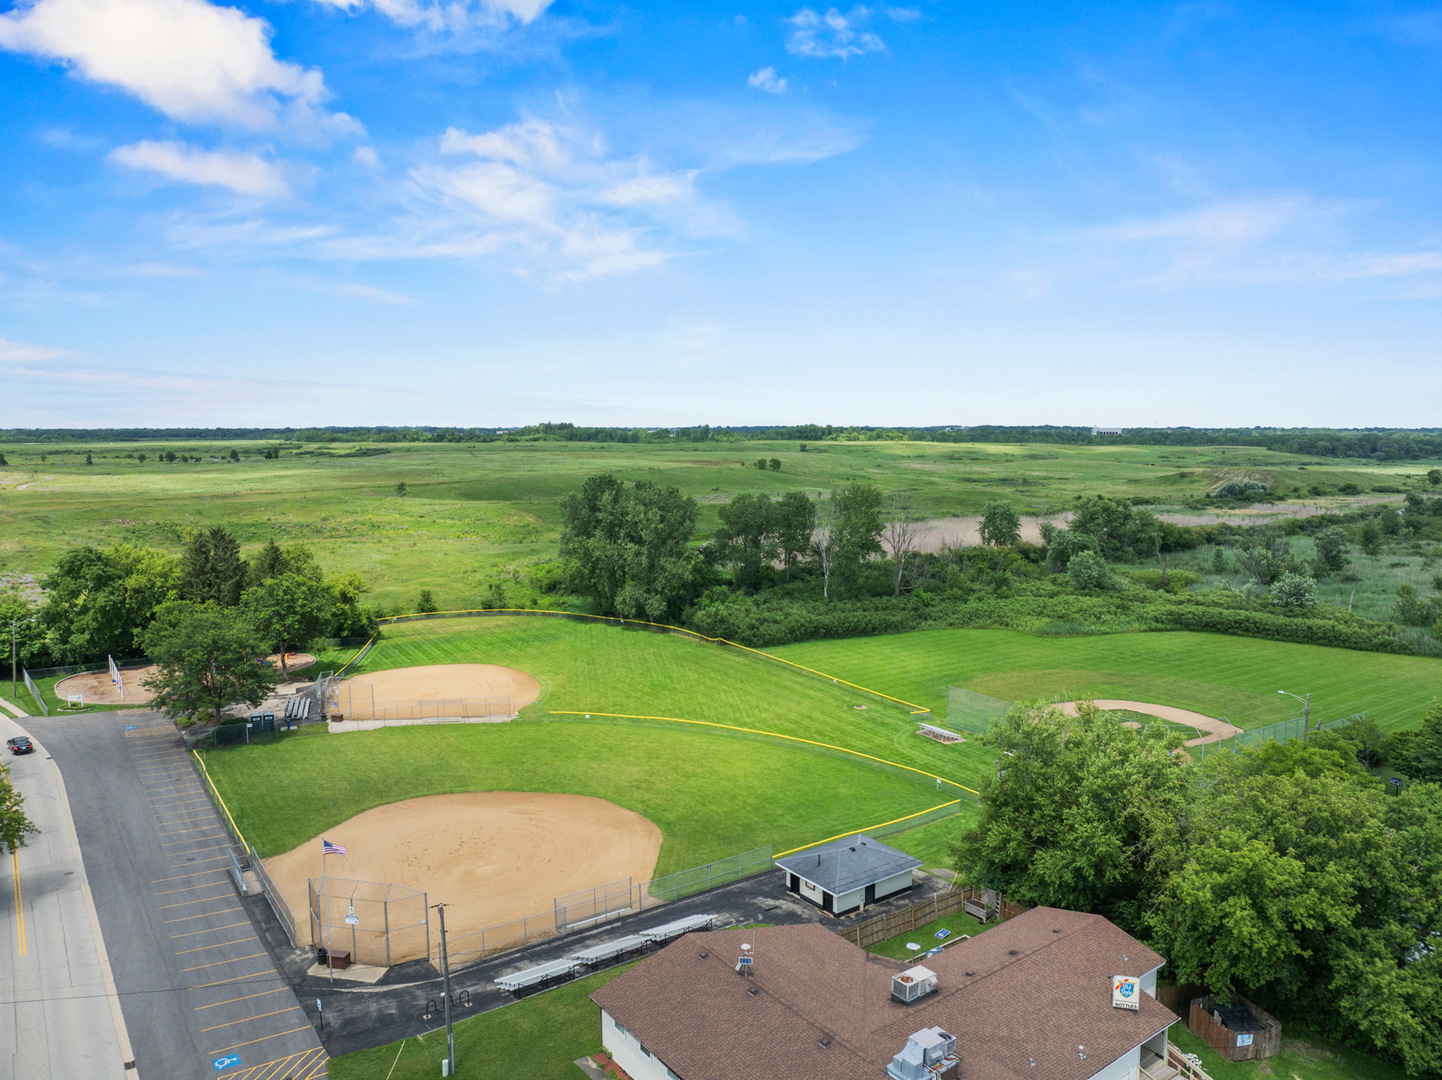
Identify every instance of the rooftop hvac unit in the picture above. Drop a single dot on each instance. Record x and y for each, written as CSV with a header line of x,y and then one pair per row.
x,y
928,1054
913,984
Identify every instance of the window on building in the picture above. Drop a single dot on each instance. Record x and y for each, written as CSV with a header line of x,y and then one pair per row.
x,y
643,1049
619,1028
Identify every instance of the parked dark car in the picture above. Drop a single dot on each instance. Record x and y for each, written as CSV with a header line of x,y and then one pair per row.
x,y
20,745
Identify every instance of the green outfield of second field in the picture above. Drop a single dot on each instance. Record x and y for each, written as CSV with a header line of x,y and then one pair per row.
x,y
1213,674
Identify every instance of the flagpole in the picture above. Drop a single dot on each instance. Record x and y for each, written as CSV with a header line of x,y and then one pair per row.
x,y
325,884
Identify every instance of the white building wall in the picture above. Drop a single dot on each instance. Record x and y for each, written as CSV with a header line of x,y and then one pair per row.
x,y
811,892
1149,982
895,883
625,1048
848,900
1125,1067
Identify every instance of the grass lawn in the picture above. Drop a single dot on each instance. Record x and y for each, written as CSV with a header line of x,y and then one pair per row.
x,y
710,795
929,843
1211,673
1310,1057
958,923
537,1038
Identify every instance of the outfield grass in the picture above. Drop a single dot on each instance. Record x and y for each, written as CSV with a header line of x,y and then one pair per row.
x,y
537,1038
1211,673
710,796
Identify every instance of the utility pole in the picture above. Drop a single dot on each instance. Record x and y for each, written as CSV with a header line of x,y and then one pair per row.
x,y
450,1069
1306,712
14,693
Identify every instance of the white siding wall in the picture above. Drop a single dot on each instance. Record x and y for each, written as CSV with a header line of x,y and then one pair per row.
x,y
848,900
1125,1067
626,1049
1149,982
811,892
893,884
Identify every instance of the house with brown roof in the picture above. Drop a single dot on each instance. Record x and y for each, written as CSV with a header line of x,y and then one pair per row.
x,y
1032,999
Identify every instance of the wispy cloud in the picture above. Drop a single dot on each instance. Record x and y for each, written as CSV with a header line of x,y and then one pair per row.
x,y
16,352
193,61
449,15
832,35
766,79
244,174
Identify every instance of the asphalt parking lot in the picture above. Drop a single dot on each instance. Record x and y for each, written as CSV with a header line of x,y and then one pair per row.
x,y
200,993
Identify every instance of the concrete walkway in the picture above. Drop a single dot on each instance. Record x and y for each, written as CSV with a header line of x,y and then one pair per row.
x,y
14,710
1215,729
59,1012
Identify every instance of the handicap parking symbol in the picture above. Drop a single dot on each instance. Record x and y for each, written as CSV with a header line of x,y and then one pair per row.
x,y
132,727
230,1061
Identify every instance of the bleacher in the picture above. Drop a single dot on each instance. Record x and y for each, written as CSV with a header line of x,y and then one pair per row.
x,y
297,707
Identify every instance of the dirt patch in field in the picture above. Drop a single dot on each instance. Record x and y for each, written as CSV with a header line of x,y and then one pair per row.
x,y
1215,729
368,696
490,856
99,690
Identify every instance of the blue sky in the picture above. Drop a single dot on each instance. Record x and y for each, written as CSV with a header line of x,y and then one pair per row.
x,y
501,211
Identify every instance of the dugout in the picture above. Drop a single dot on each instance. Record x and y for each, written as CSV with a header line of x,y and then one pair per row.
x,y
849,874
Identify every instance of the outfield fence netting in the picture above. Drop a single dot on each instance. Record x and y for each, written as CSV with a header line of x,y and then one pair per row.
x,y
973,713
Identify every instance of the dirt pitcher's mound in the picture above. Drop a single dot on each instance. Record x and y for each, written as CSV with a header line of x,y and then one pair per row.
x,y
99,690
383,694
491,856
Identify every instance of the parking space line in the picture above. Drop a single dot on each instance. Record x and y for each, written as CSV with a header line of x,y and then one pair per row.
x,y
198,828
192,888
182,877
217,945
173,796
197,862
232,1001
180,802
238,978
199,900
232,960
204,914
248,1019
263,1038
177,843
213,929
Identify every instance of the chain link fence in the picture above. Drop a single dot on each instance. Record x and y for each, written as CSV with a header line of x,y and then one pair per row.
x,y
973,713
35,693
379,923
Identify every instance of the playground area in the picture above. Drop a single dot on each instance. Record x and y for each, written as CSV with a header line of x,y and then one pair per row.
x,y
491,856
98,688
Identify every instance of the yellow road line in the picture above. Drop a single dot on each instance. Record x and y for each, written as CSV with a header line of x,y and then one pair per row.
x,y
277,1035
248,1019
211,930
232,960
217,945
232,1001
203,914
238,978
313,1059
20,941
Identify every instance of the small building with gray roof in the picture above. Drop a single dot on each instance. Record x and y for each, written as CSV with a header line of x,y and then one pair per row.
x,y
848,874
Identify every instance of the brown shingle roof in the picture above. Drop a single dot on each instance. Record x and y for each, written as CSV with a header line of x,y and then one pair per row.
x,y
697,1015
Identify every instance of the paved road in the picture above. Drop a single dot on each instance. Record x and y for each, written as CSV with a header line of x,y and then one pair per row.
x,y
197,984
58,1011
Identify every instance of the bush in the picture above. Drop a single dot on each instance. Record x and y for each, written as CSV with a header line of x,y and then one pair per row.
x,y
1294,591
1088,570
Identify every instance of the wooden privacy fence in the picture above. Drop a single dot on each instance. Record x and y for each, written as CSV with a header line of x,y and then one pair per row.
x,y
1178,998
1260,1037
868,933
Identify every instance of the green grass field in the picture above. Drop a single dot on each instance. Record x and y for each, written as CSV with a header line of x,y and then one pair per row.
x,y
474,515
1211,673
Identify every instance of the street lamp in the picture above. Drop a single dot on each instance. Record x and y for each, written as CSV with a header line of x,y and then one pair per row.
x,y
1306,710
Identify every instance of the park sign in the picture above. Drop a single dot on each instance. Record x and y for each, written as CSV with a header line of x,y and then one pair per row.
x,y
1126,992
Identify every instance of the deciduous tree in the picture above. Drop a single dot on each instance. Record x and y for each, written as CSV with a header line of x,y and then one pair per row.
x,y
206,658
288,612
1000,525
14,825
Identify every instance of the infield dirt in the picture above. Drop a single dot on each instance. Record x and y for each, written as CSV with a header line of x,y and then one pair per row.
x,y
99,690
491,856
358,697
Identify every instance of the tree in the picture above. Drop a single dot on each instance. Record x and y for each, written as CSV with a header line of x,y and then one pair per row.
x,y
902,531
628,547
775,464
99,601
426,603
1409,609
17,615
1370,537
794,518
747,537
1330,546
288,612
234,455
348,618
1066,820
3,461
858,527
1294,591
1434,477
212,569
206,658
824,542
14,825
1000,525
1088,570
1417,753
88,459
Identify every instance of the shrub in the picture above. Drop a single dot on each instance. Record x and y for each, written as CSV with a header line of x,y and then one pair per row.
x,y
1088,570
1294,591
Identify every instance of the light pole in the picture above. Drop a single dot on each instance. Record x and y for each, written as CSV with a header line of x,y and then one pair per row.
x,y
1306,710
14,692
450,1069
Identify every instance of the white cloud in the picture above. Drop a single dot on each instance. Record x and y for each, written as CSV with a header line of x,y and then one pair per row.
x,y
367,156
832,35
450,15
244,174
192,60
767,80
15,352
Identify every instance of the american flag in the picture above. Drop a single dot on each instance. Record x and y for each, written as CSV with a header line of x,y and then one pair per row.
x,y
327,848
